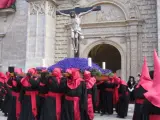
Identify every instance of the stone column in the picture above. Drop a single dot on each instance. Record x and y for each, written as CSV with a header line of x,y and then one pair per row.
x,y
133,48
41,33
128,69
158,23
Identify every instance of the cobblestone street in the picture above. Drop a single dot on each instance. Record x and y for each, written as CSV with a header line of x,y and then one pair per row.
x,y
98,117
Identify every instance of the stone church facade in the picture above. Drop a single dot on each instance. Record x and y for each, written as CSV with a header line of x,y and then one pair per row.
x,y
34,35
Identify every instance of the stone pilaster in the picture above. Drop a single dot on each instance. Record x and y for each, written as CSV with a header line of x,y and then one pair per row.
x,y
134,53
41,33
158,24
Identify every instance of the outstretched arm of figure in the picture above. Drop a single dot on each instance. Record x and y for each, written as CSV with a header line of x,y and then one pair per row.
x,y
68,15
84,13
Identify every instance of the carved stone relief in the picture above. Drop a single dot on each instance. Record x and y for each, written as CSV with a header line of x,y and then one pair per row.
x,y
51,9
108,12
37,7
131,6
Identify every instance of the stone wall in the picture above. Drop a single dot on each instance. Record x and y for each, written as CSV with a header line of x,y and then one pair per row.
x,y
14,43
62,35
149,32
158,21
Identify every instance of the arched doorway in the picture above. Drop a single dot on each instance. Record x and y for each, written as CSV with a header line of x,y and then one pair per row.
x,y
106,53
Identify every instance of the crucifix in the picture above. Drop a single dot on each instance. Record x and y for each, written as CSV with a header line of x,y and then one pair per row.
x,y
75,15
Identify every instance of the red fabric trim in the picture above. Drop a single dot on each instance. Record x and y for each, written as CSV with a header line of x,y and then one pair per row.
x,y
42,95
76,106
33,101
90,107
98,98
41,84
58,103
99,82
109,89
18,104
115,96
139,101
14,83
154,117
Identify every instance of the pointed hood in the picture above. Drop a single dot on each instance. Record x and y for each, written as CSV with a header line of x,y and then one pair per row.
x,y
57,72
2,77
90,81
153,95
76,79
145,80
18,70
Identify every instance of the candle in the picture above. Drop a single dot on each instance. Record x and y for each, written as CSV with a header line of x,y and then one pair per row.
x,y
90,62
104,65
43,62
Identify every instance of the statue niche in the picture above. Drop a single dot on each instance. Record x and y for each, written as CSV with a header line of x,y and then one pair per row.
x,y
7,4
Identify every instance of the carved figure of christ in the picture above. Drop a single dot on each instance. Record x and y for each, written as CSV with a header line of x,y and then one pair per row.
x,y
75,15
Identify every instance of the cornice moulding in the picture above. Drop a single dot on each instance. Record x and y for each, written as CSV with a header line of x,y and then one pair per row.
x,y
4,12
2,34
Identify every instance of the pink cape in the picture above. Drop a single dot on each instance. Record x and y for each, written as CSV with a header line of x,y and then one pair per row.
x,y
6,3
145,80
76,79
153,95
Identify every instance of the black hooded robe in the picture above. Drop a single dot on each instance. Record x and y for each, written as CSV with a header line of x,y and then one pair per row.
x,y
93,92
122,105
107,100
139,96
14,100
149,109
51,102
26,100
71,96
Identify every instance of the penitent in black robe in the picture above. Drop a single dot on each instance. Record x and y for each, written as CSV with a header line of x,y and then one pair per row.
x,y
14,109
26,100
139,96
43,90
93,92
6,102
68,112
99,104
107,100
52,101
122,105
149,109
2,94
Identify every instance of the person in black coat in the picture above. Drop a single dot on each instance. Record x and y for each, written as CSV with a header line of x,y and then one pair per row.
x,y
131,87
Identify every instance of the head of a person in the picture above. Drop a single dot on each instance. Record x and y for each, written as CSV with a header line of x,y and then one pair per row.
x,y
56,72
87,75
31,71
72,14
44,74
131,79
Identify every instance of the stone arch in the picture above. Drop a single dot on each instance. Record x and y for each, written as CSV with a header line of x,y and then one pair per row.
x,y
121,5
89,47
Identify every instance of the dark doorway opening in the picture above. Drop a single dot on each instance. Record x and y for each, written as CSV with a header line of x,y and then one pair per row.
x,y
106,53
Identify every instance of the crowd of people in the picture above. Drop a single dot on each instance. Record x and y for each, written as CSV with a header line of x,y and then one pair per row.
x,y
69,95
77,95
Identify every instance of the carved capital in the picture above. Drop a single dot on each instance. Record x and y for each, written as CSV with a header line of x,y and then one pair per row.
x,y
37,7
